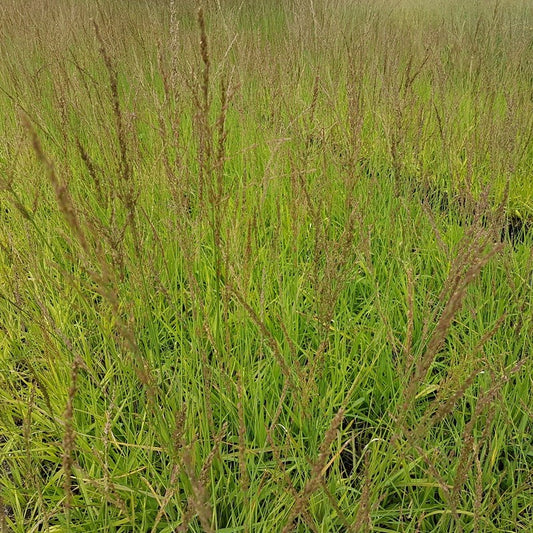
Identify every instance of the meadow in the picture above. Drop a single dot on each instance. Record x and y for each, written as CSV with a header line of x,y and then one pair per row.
x,y
266,266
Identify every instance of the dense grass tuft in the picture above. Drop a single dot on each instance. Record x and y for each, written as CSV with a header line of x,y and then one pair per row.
x,y
266,266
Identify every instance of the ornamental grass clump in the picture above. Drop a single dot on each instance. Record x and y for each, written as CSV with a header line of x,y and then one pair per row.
x,y
260,266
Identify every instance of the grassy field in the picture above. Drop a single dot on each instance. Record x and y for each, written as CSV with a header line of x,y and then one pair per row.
x,y
266,266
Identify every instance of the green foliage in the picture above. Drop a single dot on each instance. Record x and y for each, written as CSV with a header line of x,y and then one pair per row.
x,y
266,266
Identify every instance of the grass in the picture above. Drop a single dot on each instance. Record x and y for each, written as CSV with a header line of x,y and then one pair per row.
x,y
266,266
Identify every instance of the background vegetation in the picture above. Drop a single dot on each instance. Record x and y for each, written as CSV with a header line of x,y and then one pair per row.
x,y
266,266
